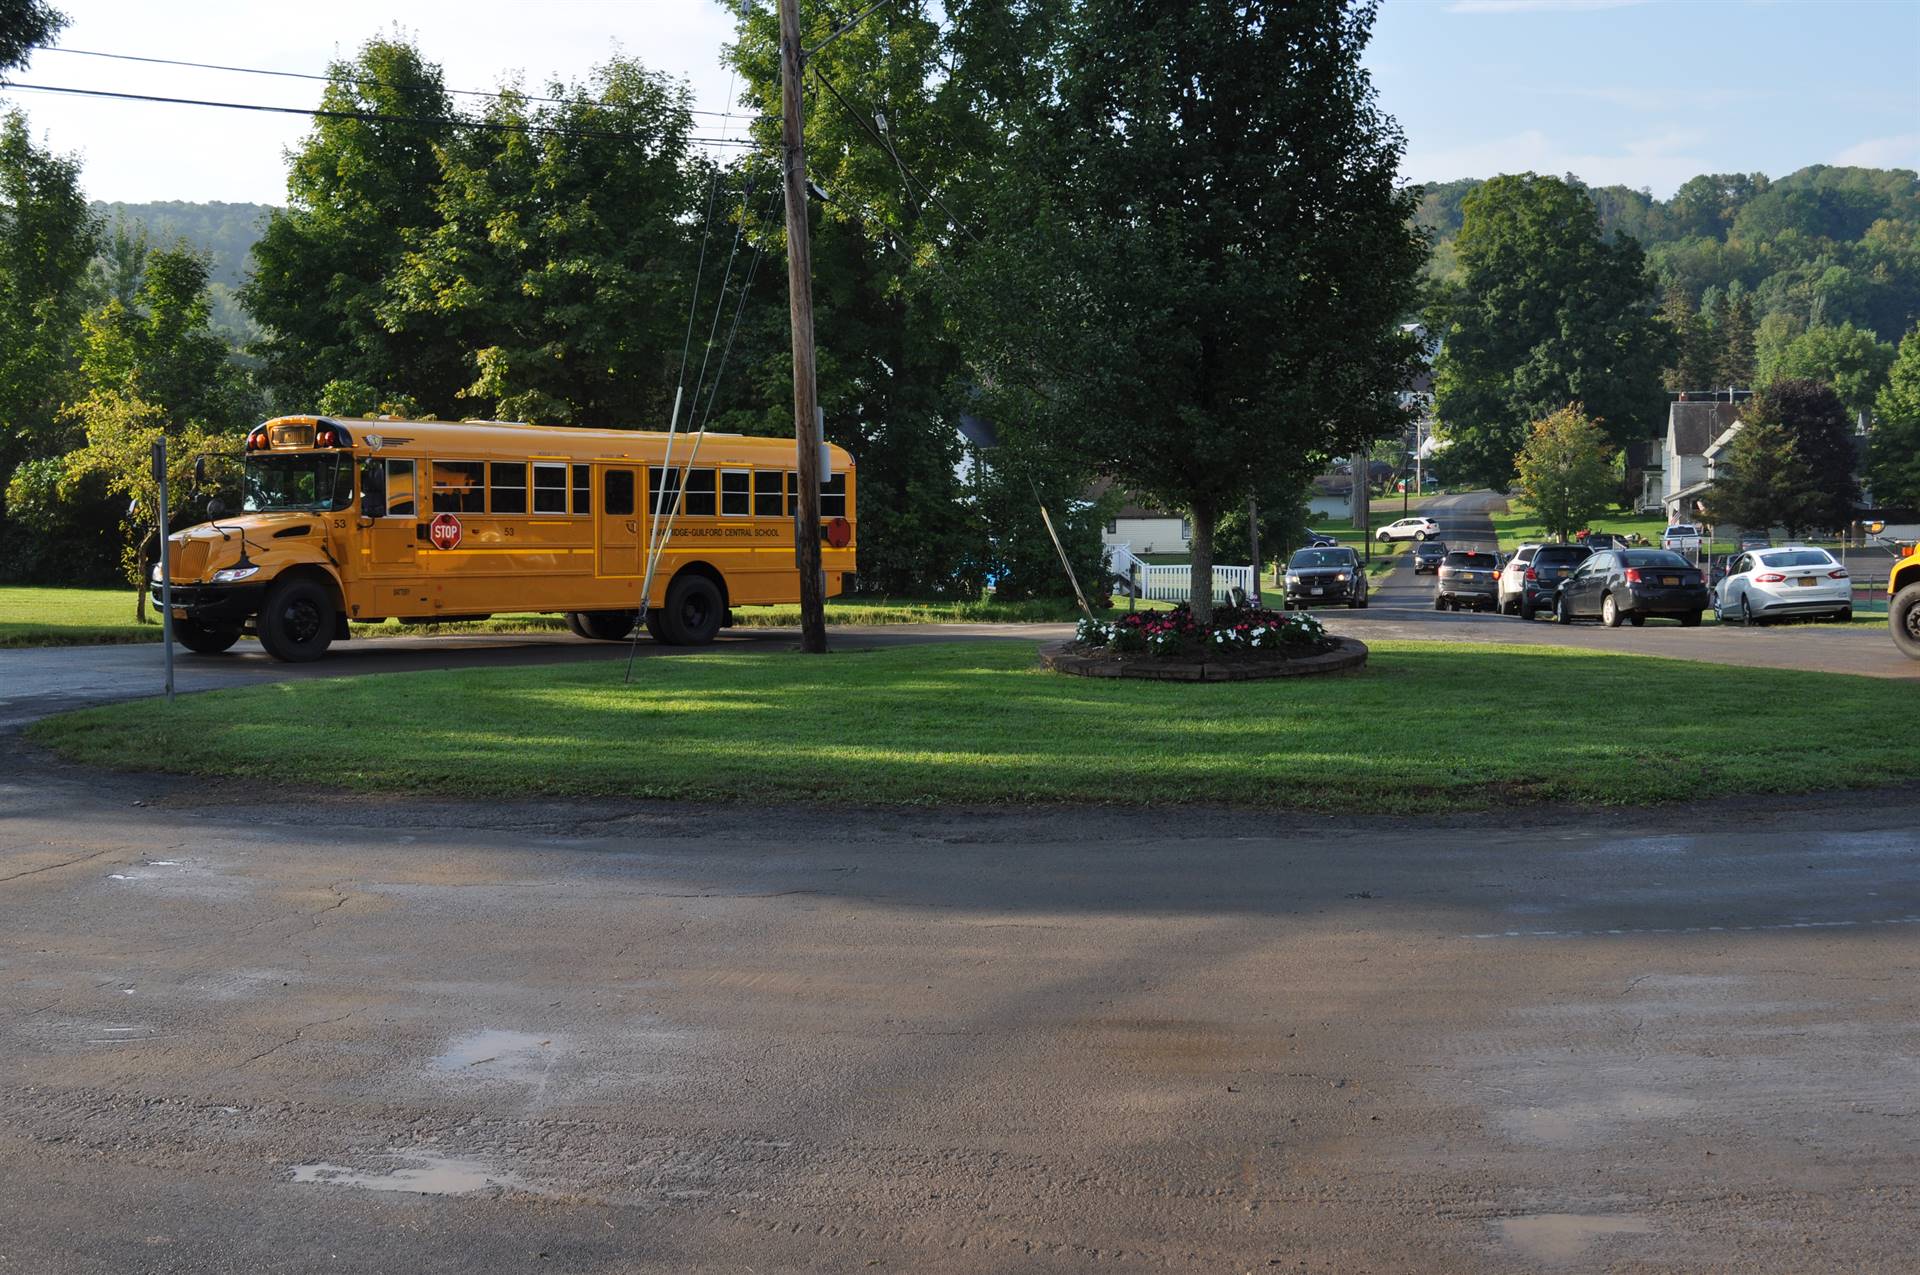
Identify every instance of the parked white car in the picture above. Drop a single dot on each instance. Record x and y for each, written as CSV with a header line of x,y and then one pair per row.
x,y
1416,528
1684,537
1768,584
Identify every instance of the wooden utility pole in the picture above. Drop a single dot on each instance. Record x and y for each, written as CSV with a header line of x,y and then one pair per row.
x,y
806,531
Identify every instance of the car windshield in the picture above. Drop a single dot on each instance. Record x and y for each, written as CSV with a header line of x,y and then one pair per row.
x,y
1680,529
1656,558
307,481
1318,558
1797,558
1431,547
1463,558
1559,555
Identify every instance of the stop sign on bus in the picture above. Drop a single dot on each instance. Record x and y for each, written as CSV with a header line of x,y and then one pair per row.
x,y
444,531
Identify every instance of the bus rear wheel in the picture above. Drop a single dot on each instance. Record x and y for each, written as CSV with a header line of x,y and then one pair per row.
x,y
602,626
296,624
204,639
694,611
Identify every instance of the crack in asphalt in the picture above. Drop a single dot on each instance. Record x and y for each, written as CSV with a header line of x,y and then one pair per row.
x,y
51,866
298,1032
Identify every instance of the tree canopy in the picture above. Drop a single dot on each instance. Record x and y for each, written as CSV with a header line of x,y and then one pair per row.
x,y
1893,460
1547,312
1566,471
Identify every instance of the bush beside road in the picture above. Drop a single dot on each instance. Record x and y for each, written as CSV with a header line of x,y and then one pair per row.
x,y
980,723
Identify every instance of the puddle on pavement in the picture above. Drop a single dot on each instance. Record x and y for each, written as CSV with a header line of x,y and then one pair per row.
x,y
495,1054
1556,1238
419,1172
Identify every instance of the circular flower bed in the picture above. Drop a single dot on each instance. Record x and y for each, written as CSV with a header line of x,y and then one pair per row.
x,y
1237,643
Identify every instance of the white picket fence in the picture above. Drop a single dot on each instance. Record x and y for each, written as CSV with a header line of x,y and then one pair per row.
x,y
1168,582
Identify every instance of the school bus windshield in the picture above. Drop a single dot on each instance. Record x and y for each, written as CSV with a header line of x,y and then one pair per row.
x,y
306,482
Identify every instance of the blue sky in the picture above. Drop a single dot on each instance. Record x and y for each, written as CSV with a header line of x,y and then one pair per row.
x,y
1649,94
1641,92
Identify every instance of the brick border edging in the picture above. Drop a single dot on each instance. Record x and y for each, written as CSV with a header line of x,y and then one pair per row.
x,y
1349,654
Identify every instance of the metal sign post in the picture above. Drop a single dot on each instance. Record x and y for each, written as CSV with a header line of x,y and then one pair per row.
x,y
166,563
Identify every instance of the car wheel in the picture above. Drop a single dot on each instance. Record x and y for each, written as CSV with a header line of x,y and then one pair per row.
x,y
296,622
1843,616
1691,620
1526,609
574,626
204,639
1610,613
1636,619
1439,603
1419,535
1746,610
1364,596
1903,618
693,613
1562,612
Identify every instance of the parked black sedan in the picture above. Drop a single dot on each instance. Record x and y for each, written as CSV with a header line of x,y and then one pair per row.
x,y
1428,555
1318,576
1630,585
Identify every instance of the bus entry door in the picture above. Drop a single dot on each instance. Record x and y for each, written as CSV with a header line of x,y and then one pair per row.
x,y
618,546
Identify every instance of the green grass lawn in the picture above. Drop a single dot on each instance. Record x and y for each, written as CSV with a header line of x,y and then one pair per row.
x,y
980,722
68,617
1520,525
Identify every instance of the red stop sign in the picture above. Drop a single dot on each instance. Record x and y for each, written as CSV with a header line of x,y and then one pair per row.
x,y
444,531
839,531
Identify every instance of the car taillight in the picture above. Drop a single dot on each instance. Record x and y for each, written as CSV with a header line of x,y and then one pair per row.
x,y
1532,574
1841,574
1772,577
1633,575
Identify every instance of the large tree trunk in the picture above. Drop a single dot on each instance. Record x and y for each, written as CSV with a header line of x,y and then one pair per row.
x,y
143,567
1200,582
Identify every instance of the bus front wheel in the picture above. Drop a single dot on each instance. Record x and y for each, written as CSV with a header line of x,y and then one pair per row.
x,y
296,624
204,639
694,611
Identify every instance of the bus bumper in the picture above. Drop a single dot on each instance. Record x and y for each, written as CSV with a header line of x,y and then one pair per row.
x,y
218,605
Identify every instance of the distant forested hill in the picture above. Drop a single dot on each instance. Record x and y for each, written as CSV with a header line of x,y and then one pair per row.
x,y
225,232
1821,246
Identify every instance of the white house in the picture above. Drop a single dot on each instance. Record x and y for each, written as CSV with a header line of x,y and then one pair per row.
x,y
1146,530
1692,427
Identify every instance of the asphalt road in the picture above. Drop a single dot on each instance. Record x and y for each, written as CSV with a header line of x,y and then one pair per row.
x,y
259,1032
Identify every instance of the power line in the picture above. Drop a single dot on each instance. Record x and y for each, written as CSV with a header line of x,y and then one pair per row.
x,y
317,112
365,81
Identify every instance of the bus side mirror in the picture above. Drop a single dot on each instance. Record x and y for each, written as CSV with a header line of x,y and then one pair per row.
x,y
216,508
199,471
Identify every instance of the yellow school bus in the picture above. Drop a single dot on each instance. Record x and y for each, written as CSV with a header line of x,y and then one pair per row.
x,y
368,519
1903,602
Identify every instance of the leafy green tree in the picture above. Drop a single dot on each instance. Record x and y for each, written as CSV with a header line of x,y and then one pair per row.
x,y
1893,457
1197,255
47,238
1548,313
561,254
357,189
1734,353
1764,482
1846,357
1821,431
24,24
1693,366
1567,471
160,348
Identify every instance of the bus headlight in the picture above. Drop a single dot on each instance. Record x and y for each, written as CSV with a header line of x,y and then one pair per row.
x,y
154,575
231,574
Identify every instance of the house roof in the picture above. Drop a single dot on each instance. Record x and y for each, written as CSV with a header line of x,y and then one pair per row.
x,y
1725,439
1691,426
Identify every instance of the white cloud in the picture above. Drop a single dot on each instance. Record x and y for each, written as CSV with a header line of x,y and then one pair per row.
x,y
1538,6
1899,151
1657,161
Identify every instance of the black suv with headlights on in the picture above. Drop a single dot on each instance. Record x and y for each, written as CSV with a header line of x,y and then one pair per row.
x,y
1319,576
1428,555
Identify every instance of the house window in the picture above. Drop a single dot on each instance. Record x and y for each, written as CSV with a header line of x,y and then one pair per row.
x,y
736,493
1186,529
1113,526
550,489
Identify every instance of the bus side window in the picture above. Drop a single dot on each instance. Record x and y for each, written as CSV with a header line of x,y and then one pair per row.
x,y
833,496
399,489
373,488
619,492
766,493
699,503
583,489
793,494
663,490
550,489
509,487
459,487
736,493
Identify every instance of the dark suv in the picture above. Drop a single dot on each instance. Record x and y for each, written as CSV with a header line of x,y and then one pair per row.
x,y
1428,555
1531,579
1316,576
1469,578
